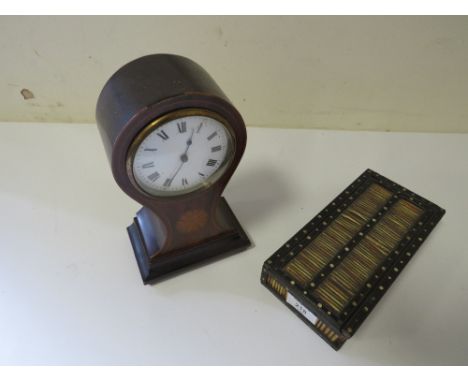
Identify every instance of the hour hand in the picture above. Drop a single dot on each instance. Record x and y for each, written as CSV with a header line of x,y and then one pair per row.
x,y
184,157
189,141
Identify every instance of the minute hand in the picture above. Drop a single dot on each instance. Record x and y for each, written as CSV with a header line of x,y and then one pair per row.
x,y
183,157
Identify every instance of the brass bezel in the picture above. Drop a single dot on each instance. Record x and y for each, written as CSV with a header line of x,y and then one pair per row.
x,y
157,123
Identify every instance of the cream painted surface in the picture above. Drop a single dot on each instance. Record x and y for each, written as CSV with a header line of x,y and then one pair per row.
x,y
372,73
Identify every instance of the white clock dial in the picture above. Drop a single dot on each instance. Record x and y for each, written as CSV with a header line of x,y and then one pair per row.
x,y
182,155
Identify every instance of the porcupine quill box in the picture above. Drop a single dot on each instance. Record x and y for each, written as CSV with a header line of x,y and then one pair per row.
x,y
334,271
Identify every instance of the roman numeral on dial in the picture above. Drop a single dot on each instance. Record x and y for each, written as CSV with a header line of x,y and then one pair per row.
x,y
212,135
215,148
149,149
154,176
163,135
184,182
182,126
211,162
167,182
148,165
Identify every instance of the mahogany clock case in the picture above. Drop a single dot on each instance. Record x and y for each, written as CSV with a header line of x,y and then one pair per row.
x,y
140,92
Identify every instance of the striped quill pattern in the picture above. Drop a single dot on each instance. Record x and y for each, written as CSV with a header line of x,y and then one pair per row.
x,y
329,333
315,256
350,276
281,290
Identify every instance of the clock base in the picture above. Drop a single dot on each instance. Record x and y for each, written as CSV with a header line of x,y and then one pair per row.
x,y
233,241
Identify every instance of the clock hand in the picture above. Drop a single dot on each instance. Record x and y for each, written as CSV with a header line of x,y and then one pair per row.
x,y
183,157
189,143
175,174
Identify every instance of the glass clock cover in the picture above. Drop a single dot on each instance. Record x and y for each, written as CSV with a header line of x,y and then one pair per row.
x,y
182,155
